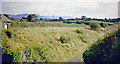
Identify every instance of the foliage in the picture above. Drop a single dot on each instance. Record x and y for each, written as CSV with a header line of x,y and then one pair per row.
x,y
9,33
45,45
43,24
17,56
102,24
60,18
63,39
102,51
28,53
94,26
29,18
6,15
78,31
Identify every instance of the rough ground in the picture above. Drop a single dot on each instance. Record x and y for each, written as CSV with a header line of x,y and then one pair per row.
x,y
107,30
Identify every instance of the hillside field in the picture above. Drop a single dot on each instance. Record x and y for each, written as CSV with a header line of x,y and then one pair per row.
x,y
48,44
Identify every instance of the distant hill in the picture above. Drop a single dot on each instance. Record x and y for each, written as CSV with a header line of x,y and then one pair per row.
x,y
19,16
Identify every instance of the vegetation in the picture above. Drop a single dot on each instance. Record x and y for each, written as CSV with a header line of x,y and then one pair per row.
x,y
47,44
78,31
48,41
9,33
105,50
63,39
94,26
30,16
45,24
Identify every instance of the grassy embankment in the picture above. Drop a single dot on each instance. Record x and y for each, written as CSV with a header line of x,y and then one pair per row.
x,y
104,50
47,41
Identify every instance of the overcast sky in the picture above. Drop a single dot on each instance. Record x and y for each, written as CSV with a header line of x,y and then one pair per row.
x,y
76,8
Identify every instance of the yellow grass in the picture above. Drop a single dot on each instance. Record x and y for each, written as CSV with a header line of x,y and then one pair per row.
x,y
48,39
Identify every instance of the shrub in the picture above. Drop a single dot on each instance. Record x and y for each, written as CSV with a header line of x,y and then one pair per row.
x,y
28,53
64,39
119,31
9,33
78,31
17,56
106,24
86,22
102,24
94,26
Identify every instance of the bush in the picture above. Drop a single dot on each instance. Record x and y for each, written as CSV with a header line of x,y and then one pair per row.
x,y
64,39
86,22
9,33
102,24
17,56
78,31
94,26
28,53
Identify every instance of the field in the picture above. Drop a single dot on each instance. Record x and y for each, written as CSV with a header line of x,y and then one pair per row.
x,y
48,42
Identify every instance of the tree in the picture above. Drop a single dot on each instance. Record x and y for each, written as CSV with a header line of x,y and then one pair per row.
x,y
29,18
60,18
106,19
6,16
23,18
41,18
88,19
33,15
83,17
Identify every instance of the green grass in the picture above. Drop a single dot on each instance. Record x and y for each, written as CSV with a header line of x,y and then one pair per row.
x,y
45,24
101,22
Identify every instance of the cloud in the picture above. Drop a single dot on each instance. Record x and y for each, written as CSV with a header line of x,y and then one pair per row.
x,y
0,7
90,9
60,0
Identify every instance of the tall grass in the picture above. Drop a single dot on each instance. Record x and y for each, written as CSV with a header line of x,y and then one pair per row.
x,y
43,24
45,43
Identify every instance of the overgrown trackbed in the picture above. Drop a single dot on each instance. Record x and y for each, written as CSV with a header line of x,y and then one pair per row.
x,y
110,29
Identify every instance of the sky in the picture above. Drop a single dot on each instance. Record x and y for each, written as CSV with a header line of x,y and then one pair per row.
x,y
76,8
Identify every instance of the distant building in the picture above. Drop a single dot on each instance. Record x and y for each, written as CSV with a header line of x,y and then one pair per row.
x,y
6,22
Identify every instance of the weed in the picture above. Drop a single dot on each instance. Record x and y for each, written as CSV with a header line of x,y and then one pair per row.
x,y
63,39
17,55
78,31
28,53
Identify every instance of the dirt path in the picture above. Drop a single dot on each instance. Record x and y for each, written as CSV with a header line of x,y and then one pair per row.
x,y
110,29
